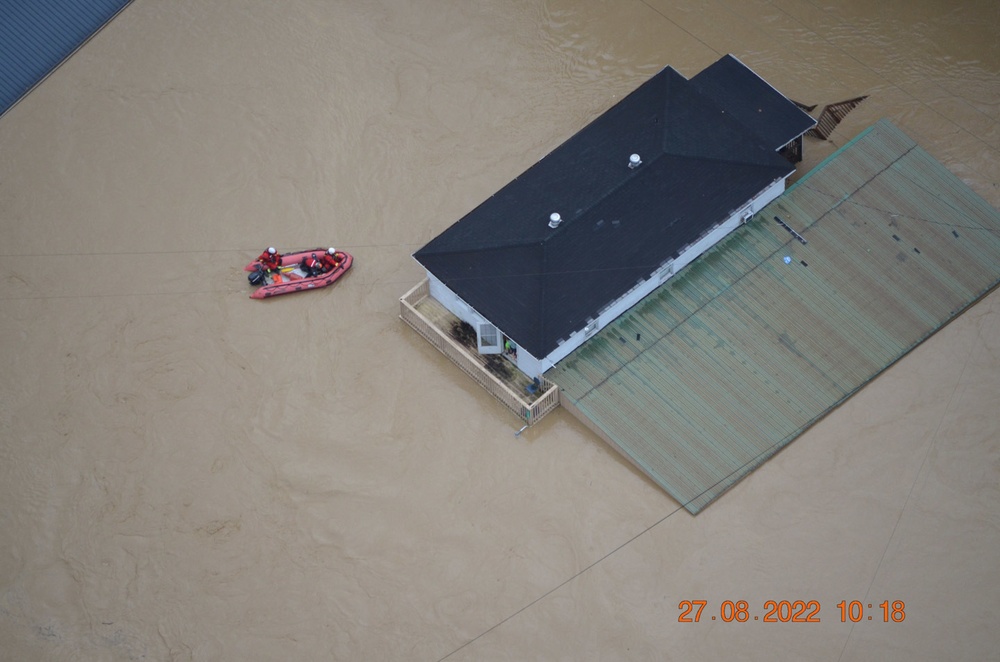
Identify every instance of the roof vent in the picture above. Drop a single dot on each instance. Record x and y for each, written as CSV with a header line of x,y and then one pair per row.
x,y
634,161
554,220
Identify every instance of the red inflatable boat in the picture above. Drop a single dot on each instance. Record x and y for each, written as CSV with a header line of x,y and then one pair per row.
x,y
292,277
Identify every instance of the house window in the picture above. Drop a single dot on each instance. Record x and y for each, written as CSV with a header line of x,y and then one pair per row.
x,y
488,339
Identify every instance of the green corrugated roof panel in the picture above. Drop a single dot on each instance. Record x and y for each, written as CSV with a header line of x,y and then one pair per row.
x,y
739,353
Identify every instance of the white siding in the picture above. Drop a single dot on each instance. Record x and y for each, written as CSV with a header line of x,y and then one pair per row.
x,y
525,362
534,367
663,274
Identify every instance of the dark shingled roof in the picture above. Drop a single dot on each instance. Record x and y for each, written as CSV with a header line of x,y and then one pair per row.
x,y
702,159
755,104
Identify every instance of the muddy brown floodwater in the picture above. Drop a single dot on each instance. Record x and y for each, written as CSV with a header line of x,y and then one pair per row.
x,y
187,474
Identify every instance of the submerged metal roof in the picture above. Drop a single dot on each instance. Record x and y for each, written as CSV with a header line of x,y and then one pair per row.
x,y
733,358
36,36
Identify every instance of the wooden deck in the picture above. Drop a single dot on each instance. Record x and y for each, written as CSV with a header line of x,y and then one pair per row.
x,y
442,319
497,374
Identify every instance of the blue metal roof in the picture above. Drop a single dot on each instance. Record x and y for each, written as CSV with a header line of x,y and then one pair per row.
x,y
36,36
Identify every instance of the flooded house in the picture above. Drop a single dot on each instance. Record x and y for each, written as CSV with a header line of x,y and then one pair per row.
x,y
608,216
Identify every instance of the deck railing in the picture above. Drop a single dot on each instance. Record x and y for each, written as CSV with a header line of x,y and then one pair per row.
x,y
530,412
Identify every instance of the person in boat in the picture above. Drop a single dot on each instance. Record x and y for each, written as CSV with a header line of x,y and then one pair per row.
x,y
312,266
271,259
330,259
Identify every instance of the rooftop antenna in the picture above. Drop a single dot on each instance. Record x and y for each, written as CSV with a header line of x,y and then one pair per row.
x,y
554,220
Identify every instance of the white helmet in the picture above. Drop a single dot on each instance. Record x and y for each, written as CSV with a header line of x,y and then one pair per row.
x,y
270,249
331,250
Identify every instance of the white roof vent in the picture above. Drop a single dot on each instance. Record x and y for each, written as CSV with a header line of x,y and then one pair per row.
x,y
554,220
634,161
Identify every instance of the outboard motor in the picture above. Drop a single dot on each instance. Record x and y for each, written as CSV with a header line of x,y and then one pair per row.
x,y
256,277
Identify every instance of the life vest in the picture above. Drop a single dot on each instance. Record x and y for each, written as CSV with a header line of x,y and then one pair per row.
x,y
270,261
330,261
312,264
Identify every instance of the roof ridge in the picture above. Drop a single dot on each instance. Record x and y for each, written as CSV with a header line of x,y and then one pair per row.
x,y
697,162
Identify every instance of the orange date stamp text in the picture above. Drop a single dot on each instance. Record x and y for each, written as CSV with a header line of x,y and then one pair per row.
x,y
788,611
